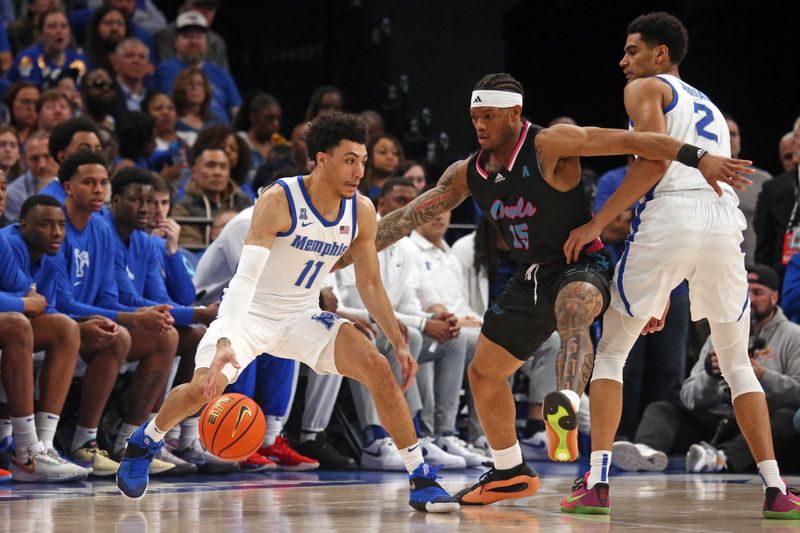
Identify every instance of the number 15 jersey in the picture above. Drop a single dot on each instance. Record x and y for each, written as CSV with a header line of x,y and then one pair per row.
x,y
694,119
301,258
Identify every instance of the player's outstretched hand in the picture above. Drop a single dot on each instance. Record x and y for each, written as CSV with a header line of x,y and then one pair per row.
x,y
223,356
579,238
655,324
717,169
408,365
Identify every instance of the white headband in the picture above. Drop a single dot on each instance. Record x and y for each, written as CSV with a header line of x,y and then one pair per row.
x,y
495,99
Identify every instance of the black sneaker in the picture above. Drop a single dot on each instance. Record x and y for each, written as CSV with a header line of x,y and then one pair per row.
x,y
495,485
322,451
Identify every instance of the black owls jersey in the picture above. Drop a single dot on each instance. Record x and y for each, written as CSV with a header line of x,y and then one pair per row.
x,y
535,219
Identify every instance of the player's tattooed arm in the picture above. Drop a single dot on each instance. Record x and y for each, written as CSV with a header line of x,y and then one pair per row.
x,y
449,192
577,305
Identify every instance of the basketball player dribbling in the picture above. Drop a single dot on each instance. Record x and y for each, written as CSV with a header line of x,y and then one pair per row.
x,y
527,181
684,230
300,227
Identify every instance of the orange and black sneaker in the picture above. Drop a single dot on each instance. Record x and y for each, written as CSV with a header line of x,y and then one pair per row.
x,y
561,423
495,485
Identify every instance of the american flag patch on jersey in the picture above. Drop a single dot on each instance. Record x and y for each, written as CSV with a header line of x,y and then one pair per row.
x,y
344,230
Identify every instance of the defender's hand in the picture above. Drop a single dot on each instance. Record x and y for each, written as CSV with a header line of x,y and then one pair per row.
x,y
223,356
408,365
716,168
656,324
579,238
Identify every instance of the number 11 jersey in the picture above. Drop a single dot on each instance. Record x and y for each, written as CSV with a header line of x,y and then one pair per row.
x,y
302,257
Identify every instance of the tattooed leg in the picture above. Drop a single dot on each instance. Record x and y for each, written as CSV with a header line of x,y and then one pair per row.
x,y
577,305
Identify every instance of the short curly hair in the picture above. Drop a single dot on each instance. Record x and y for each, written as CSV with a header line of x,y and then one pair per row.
x,y
327,131
662,28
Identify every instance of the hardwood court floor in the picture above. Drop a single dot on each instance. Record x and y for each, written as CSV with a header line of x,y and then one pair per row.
x,y
322,502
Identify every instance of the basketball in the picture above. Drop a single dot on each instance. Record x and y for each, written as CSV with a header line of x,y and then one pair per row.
x,y
232,427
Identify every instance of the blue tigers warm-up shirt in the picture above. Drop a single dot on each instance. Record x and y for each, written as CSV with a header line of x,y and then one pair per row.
x,y
176,274
86,284
13,283
42,273
139,281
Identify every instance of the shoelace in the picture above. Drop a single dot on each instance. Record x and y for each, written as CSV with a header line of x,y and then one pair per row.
x,y
579,483
485,476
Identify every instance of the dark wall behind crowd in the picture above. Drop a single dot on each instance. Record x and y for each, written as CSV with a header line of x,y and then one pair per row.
x,y
566,52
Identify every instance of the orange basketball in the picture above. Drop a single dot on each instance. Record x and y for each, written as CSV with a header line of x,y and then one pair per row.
x,y
232,427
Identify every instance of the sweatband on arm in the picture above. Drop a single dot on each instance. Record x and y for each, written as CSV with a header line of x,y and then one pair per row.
x,y
239,295
690,155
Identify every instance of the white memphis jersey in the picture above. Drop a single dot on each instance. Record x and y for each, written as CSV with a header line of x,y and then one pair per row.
x,y
301,258
694,119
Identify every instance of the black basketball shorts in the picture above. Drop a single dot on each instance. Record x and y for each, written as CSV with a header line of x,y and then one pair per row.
x,y
523,316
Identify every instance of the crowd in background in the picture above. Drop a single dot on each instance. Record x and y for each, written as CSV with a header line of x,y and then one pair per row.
x,y
129,162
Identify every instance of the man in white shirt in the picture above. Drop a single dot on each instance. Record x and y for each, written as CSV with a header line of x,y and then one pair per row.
x,y
419,307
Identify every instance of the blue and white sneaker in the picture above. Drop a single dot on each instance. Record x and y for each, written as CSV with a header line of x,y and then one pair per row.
x,y
426,494
134,468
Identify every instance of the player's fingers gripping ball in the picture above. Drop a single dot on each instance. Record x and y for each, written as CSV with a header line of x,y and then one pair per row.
x,y
232,427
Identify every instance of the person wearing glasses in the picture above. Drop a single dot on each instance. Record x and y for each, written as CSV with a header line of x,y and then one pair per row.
x,y
97,94
786,151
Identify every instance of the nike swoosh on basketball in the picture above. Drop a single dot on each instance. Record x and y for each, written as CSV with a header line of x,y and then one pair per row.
x,y
571,499
242,411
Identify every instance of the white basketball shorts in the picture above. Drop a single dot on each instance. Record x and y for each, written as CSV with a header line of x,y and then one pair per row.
x,y
308,337
692,235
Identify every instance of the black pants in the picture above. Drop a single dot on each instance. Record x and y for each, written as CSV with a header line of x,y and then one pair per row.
x,y
672,429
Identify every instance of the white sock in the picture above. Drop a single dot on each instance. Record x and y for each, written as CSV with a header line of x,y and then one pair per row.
x,y
274,428
151,430
573,397
189,432
125,431
771,475
600,462
306,436
508,458
5,428
46,424
24,432
412,457
82,436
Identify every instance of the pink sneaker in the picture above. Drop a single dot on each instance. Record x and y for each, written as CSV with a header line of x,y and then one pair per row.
x,y
587,501
780,505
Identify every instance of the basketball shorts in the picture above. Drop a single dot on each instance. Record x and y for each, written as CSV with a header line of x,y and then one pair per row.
x,y
523,316
308,337
691,235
